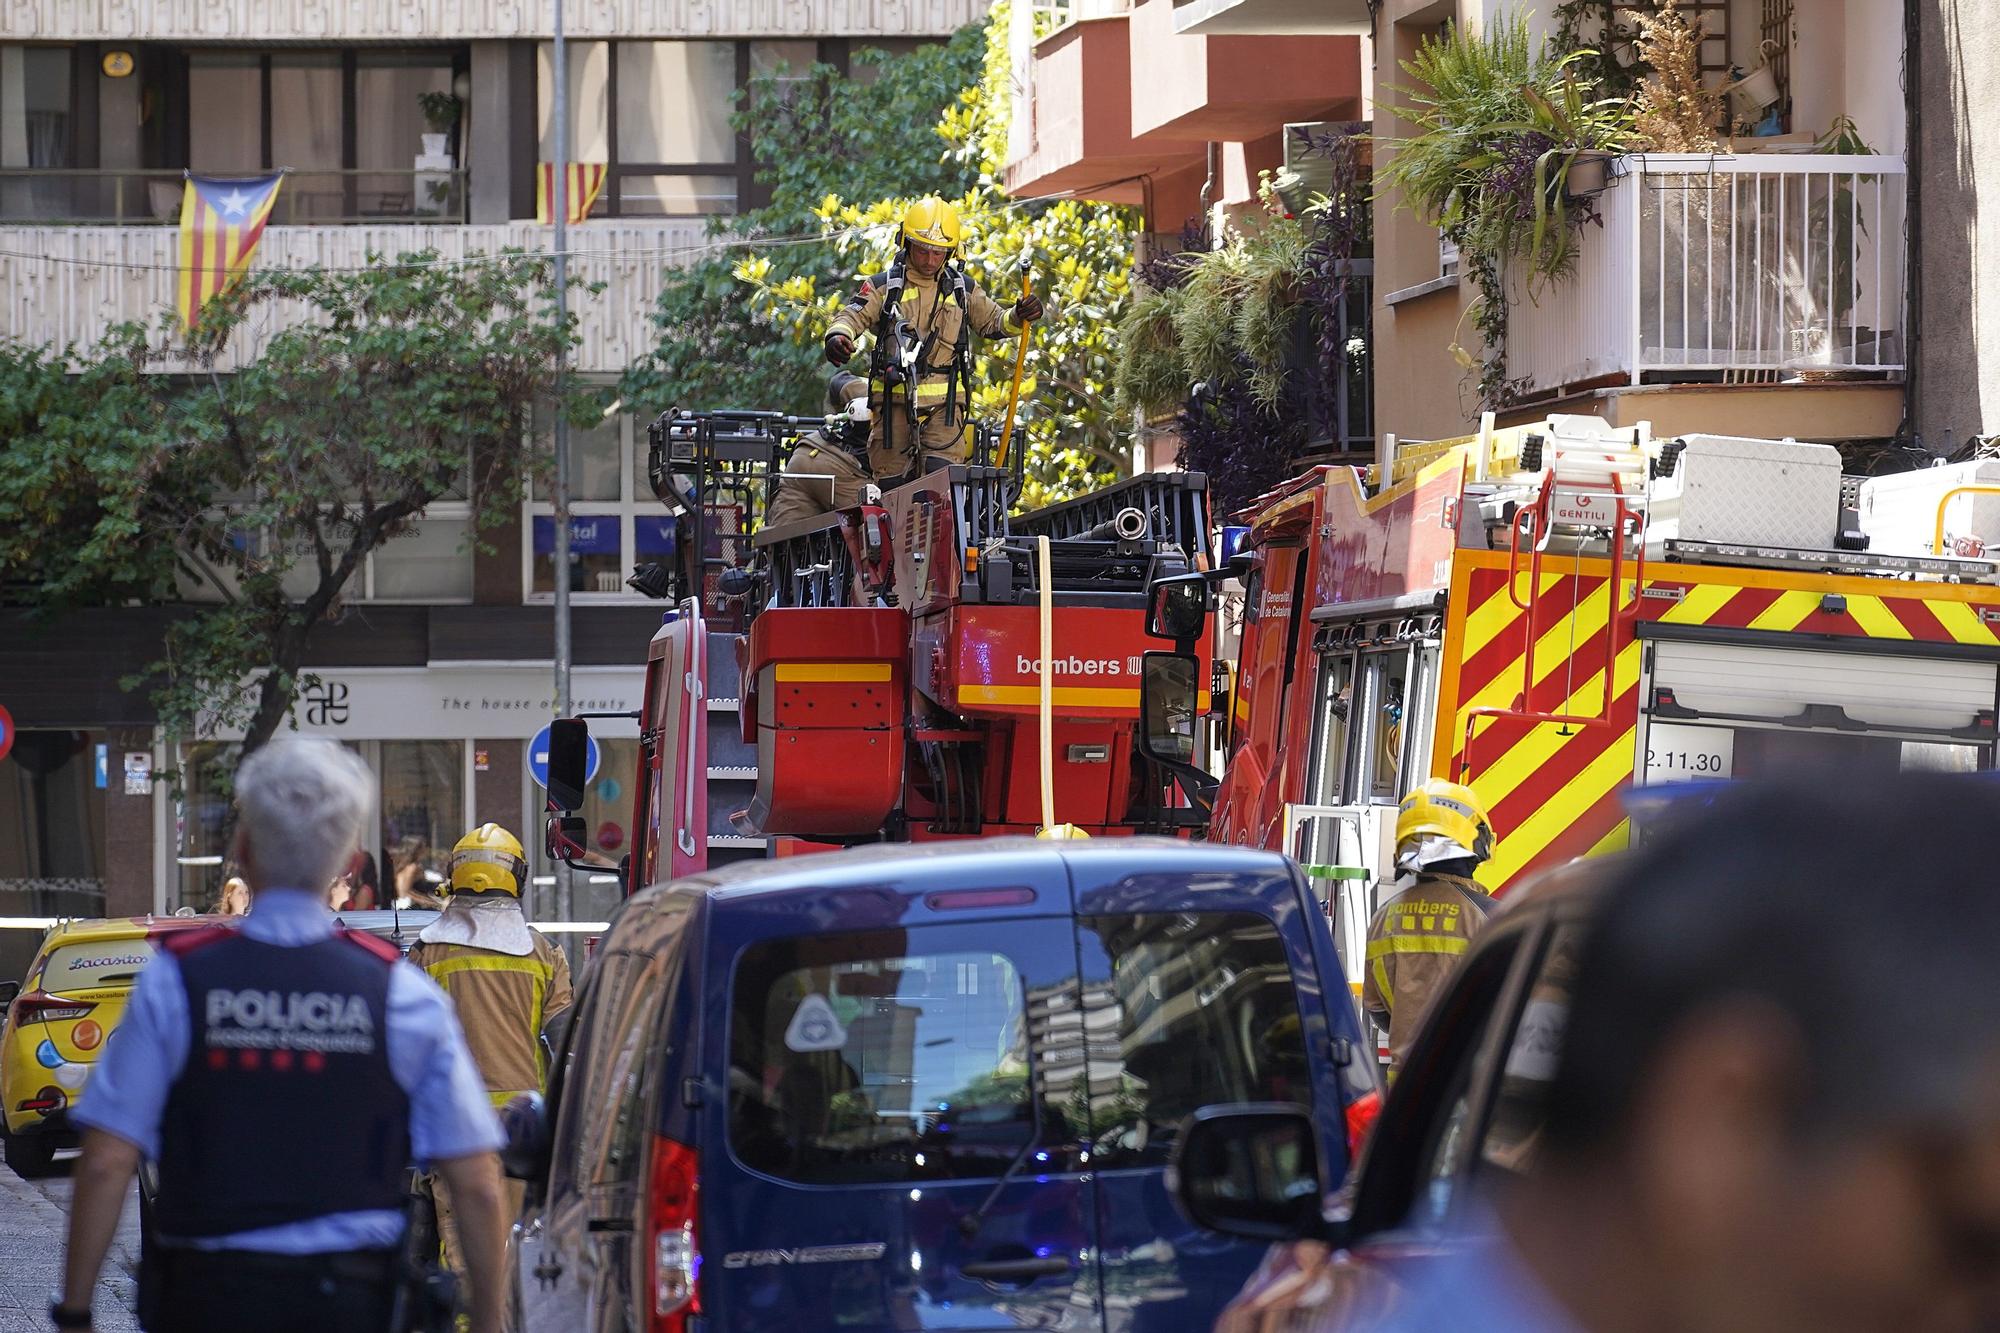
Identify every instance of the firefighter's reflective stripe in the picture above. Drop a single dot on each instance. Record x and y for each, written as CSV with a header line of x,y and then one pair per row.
x,y
930,392
535,968
1382,948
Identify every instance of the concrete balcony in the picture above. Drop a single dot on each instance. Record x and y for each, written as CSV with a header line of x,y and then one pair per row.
x,y
1270,18
68,284
1718,287
1072,130
1234,88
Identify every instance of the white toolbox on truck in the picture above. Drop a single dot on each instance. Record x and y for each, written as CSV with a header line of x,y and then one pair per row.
x,y
1743,491
1899,511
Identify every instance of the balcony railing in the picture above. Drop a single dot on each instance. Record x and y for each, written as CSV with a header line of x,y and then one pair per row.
x,y
70,196
1753,268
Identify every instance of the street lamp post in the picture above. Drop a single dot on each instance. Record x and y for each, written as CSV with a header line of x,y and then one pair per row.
x,y
559,206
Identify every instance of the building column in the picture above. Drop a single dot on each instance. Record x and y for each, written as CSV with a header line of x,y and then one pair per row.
x,y
128,830
490,132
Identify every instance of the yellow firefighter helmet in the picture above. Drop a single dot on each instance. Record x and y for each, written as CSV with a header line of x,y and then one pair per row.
x,y
931,221
488,858
1448,810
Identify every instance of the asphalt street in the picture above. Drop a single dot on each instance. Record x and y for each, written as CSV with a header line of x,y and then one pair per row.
x,y
34,1215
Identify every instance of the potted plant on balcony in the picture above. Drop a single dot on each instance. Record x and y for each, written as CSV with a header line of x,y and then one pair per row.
x,y
441,112
1510,145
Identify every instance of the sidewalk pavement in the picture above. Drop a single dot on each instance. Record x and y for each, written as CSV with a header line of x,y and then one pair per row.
x,y
34,1221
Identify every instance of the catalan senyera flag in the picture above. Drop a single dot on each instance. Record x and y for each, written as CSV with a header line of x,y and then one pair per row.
x,y
585,180
221,222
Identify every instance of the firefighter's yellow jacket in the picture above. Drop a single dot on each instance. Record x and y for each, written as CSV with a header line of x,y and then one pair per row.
x,y
506,981
1414,942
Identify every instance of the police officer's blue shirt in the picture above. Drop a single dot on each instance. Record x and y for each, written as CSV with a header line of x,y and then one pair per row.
x,y
450,1114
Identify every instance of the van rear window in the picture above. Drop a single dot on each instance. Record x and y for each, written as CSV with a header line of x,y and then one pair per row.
x,y
879,1056
1204,1011
98,963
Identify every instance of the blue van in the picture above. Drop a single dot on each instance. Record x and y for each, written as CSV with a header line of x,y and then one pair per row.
x,y
924,1087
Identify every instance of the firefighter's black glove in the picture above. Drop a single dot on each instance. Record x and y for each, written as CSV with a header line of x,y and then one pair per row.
x,y
1028,309
839,348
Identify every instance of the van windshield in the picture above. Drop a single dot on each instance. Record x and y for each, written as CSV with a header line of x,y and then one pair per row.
x,y
95,964
879,1056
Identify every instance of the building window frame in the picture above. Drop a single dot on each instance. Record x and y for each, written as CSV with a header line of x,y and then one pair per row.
x,y
749,194
633,503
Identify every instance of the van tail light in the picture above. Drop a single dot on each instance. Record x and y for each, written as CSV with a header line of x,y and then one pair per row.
x,y
672,1240
48,1008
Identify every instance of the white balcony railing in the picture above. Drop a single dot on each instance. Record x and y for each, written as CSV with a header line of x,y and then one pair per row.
x,y
1748,268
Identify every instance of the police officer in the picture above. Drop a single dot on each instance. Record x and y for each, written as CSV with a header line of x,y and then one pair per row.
x,y
829,469
925,308
1442,834
283,1076
505,979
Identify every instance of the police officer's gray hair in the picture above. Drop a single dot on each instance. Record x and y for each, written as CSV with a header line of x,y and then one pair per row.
x,y
302,803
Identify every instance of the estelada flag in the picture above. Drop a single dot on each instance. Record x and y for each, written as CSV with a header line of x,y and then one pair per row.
x,y
585,180
221,223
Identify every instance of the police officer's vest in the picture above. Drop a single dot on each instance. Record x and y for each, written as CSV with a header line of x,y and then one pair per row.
x,y
286,1108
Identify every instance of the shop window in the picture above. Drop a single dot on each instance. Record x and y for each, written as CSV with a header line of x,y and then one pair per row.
x,y
201,815
423,815
52,825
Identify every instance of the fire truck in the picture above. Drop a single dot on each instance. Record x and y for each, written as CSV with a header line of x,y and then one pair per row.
x,y
926,664
1564,614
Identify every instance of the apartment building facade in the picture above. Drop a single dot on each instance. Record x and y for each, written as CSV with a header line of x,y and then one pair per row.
x,y
439,671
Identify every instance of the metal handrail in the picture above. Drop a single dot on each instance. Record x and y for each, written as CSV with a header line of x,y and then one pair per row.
x,y
123,200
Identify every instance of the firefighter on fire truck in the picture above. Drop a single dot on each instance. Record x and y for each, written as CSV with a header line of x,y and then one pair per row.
x,y
922,315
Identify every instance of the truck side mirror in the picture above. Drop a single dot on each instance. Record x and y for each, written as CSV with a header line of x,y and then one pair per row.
x,y
1168,694
1250,1170
562,837
1177,608
569,761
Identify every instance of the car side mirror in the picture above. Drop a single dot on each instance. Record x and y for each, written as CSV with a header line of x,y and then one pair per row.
x,y
569,761
1177,608
1250,1170
8,990
1168,698
525,1122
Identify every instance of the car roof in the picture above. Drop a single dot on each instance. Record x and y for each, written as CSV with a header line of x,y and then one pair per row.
x,y
914,868
124,927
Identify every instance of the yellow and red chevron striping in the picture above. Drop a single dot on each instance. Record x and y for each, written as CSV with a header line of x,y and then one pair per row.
x,y
1553,789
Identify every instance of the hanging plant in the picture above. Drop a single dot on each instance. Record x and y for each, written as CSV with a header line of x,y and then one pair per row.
x,y
1502,129
1248,343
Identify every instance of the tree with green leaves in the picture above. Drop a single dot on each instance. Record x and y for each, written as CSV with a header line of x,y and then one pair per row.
x,y
843,160
258,495
812,132
1078,256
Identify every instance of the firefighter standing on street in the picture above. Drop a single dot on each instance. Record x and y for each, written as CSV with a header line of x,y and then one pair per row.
x,y
1415,940
283,1076
504,977
921,315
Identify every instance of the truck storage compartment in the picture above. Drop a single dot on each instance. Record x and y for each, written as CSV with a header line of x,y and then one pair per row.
x,y
1899,512
826,687
1736,490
